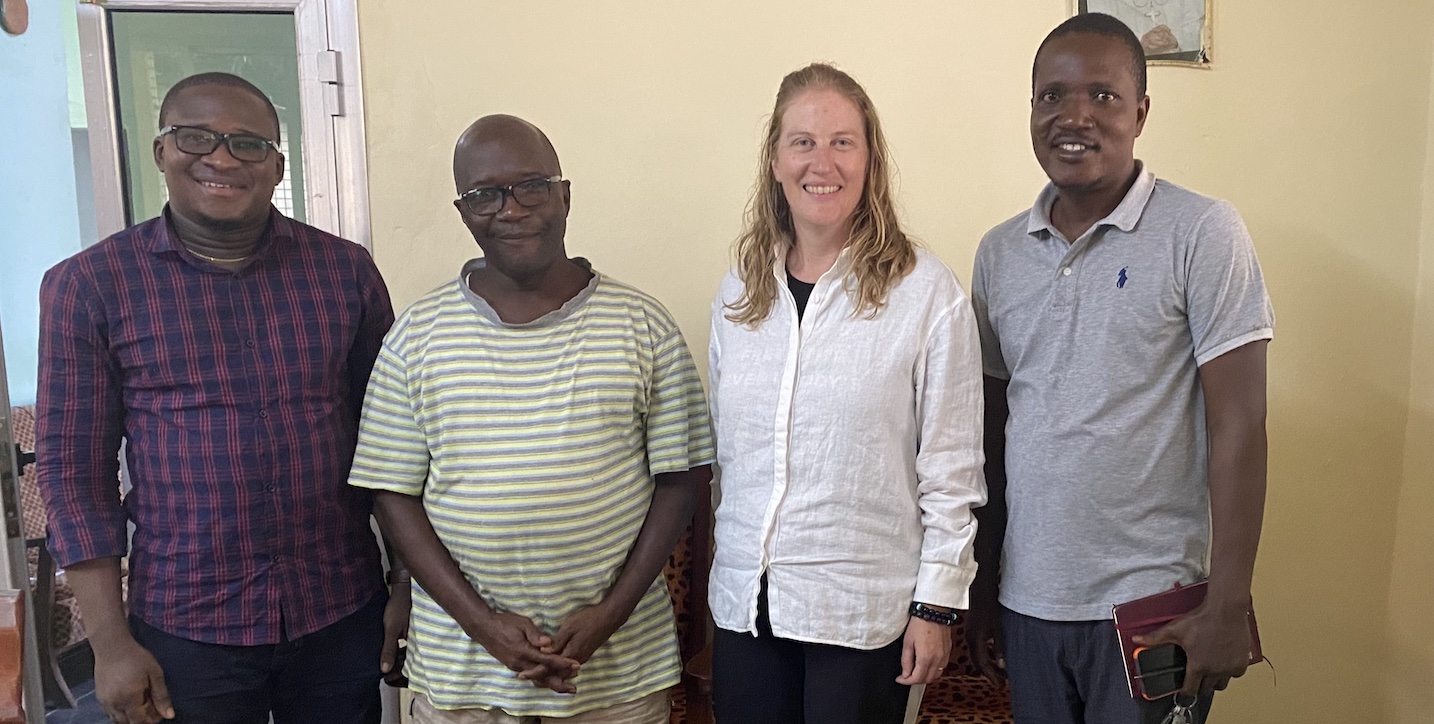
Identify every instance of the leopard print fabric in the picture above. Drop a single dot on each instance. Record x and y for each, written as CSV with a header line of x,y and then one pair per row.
x,y
959,699
963,696
679,582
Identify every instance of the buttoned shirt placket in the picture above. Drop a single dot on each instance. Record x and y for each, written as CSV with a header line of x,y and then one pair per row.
x,y
786,409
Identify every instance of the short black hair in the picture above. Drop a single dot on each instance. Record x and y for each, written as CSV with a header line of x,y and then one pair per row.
x,y
1100,24
227,80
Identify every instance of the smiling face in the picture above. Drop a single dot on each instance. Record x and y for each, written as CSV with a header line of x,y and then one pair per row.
x,y
217,191
820,161
1086,113
520,242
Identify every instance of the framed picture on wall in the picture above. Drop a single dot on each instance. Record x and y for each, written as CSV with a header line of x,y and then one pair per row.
x,y
1173,32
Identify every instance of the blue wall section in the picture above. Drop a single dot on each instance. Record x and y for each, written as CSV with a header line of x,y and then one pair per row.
x,y
39,218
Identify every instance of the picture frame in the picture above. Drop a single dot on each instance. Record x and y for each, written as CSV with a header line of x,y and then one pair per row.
x,y
1173,32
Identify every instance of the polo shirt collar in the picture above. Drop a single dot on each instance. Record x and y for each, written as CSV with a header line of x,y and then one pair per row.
x,y
1124,217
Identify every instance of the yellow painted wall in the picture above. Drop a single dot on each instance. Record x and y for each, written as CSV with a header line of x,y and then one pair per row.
x,y
1310,123
1411,591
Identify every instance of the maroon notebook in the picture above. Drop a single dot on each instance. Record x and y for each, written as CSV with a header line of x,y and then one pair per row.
x,y
1144,615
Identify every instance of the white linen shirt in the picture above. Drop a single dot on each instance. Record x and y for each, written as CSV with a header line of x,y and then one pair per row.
x,y
849,448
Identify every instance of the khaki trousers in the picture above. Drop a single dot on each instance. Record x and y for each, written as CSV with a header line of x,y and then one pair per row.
x,y
650,709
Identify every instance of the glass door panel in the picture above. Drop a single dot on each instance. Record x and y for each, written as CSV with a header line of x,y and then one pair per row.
x,y
155,50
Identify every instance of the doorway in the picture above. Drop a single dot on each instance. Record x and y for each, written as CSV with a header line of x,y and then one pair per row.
x,y
302,53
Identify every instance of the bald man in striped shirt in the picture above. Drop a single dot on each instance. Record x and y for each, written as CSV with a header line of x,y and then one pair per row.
x,y
538,436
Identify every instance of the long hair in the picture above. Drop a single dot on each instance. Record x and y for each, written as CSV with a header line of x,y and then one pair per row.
x,y
881,254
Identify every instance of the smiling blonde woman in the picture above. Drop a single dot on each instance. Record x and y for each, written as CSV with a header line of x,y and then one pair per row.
x,y
846,393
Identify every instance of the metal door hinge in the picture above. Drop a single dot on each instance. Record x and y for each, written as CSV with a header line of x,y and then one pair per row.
x,y
330,77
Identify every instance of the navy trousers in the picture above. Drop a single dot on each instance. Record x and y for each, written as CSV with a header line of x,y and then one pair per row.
x,y
330,675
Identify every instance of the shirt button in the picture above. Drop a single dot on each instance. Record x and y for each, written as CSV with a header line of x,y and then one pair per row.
x,y
263,413
1066,272
275,558
249,343
269,488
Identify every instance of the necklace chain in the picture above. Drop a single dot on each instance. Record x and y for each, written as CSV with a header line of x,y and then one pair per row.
x,y
218,260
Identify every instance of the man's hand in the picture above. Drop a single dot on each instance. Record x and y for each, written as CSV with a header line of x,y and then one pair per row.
x,y
518,644
1216,643
584,631
395,627
130,685
984,635
925,653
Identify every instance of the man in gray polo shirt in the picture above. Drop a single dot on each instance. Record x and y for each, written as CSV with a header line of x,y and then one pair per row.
x,y
1124,322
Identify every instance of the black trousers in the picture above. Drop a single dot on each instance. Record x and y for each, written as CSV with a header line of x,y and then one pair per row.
x,y
330,675
763,679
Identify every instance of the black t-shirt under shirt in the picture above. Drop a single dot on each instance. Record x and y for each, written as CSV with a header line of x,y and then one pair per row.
x,y
801,291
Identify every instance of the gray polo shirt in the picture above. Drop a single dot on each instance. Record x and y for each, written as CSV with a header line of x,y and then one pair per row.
x,y
1101,340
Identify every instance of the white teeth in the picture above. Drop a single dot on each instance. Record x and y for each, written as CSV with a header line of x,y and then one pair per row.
x,y
213,185
821,189
1073,146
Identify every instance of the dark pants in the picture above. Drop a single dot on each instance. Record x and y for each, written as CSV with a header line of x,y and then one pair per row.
x,y
1071,672
330,675
766,680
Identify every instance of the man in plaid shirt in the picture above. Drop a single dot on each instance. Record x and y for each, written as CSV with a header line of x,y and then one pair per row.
x,y
230,346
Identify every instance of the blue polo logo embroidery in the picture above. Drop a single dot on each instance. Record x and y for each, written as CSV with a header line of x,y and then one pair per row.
x,y
1122,278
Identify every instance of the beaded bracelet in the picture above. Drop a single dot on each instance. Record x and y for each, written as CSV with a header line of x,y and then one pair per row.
x,y
926,613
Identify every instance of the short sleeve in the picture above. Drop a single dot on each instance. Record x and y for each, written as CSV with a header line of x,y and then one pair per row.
x,y
993,363
1226,301
392,451
679,432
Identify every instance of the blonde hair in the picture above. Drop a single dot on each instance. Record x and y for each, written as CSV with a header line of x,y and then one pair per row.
x,y
881,254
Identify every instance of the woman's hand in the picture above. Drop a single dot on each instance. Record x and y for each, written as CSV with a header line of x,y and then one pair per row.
x,y
925,653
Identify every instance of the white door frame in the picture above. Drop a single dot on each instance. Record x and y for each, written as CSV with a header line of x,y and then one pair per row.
x,y
330,105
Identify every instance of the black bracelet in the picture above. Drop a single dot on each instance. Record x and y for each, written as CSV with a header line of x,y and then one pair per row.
x,y
400,577
926,613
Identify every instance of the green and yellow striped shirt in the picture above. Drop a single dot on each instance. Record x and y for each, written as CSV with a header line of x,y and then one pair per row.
x,y
534,448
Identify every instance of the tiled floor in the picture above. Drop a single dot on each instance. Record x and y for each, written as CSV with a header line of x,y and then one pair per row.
x,y
87,710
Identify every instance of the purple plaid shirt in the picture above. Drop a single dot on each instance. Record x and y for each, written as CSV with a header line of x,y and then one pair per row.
x,y
239,394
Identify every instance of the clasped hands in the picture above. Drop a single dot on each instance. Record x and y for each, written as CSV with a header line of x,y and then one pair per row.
x,y
548,661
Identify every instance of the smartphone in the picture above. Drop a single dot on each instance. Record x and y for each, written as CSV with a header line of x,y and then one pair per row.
x,y
1160,669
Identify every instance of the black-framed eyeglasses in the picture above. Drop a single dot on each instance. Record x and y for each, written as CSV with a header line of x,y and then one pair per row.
x,y
197,141
489,200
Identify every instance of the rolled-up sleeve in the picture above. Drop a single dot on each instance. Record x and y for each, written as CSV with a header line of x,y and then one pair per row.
x,y
79,421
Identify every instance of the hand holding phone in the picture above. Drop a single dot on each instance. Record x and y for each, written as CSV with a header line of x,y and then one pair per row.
x,y
1160,669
